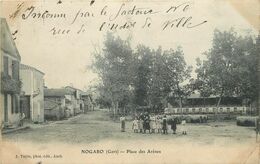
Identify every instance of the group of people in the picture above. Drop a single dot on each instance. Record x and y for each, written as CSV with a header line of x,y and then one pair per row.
x,y
154,124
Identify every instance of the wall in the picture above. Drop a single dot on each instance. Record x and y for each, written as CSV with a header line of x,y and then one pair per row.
x,y
33,84
38,100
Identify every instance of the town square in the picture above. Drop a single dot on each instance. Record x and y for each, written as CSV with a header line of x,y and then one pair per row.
x,y
130,82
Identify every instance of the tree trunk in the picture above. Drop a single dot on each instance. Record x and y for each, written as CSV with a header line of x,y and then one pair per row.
x,y
116,108
113,109
218,104
180,98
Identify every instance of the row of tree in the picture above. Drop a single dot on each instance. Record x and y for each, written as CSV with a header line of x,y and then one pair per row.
x,y
145,77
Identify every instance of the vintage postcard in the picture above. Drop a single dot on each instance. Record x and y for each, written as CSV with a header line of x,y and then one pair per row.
x,y
130,81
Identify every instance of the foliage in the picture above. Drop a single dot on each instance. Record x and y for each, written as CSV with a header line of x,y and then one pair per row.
x,y
10,85
140,77
230,67
112,66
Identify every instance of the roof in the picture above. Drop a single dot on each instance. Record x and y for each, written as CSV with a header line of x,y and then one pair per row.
x,y
197,96
7,42
59,92
27,67
85,93
72,88
48,104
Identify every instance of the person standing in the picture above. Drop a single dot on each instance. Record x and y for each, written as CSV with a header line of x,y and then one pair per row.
x,y
135,125
174,125
22,117
183,127
122,121
164,125
146,122
140,125
158,124
153,124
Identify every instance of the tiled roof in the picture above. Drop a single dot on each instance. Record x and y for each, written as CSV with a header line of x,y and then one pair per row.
x,y
60,92
48,104
73,88
27,67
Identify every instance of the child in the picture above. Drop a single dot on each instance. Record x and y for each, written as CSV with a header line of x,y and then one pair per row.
x,y
22,117
158,124
135,125
164,125
183,127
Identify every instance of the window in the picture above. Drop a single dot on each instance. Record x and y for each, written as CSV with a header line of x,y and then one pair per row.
x,y
15,70
200,110
12,104
207,110
16,104
193,110
228,110
6,68
221,110
5,108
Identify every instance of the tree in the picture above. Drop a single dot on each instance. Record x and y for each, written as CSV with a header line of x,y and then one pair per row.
x,y
229,68
143,65
113,67
176,72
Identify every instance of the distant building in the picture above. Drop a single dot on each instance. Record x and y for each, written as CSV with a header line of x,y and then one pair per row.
x,y
10,79
195,104
78,103
32,100
53,110
63,98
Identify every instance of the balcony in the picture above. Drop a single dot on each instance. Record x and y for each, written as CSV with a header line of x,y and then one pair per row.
x,y
10,85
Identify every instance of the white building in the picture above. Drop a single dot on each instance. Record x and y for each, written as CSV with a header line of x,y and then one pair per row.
x,y
10,83
32,99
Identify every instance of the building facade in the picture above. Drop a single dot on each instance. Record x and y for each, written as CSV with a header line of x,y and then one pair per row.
x,y
32,98
52,110
63,97
77,101
195,104
10,78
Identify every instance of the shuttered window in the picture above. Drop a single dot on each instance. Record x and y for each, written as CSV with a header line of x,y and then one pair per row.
x,y
6,68
12,104
17,105
15,70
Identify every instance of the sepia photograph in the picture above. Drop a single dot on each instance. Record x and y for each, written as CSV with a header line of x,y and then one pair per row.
x,y
130,82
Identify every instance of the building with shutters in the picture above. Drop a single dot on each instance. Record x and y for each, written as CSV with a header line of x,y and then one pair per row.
x,y
10,79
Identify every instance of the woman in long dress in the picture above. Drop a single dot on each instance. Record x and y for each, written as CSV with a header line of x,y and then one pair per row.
x,y
153,124
164,125
173,125
140,125
122,121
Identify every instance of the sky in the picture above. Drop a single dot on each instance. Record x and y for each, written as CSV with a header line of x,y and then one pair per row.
x,y
64,58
